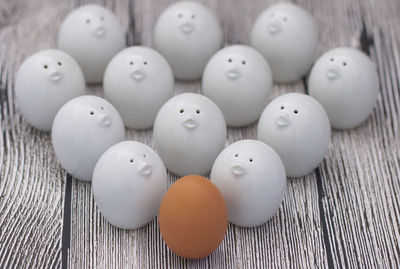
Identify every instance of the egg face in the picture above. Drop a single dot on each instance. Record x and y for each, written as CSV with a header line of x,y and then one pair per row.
x,y
82,130
138,81
193,218
251,177
346,83
238,80
129,182
189,132
92,35
297,127
45,81
187,34
287,36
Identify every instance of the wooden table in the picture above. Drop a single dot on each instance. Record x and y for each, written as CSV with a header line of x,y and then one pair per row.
x,y
345,214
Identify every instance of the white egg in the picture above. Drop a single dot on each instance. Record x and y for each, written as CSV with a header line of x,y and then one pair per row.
x,y
287,36
345,81
238,80
92,35
45,81
129,182
251,177
297,127
187,34
189,133
82,130
138,81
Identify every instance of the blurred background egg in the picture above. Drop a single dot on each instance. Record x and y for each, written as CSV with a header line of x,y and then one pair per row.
x,y
238,79
193,217
92,35
287,36
187,34
45,81
346,83
138,81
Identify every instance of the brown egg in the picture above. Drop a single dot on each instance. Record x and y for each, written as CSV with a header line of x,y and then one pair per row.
x,y
193,217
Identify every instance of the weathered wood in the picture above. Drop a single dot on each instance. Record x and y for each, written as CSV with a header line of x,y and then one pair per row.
x,y
31,180
346,214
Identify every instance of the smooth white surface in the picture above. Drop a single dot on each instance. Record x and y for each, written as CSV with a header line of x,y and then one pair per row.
x,y
345,81
138,81
189,133
287,36
297,127
187,34
251,177
129,182
238,80
92,35
45,81
82,130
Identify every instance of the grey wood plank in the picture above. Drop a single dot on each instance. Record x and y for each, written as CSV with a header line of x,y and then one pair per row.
x,y
361,198
31,180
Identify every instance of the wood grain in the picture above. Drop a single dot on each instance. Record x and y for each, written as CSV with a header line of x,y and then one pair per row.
x,y
31,180
345,214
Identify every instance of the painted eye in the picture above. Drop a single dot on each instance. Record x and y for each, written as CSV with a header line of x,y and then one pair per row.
x,y
144,155
145,63
230,60
102,108
295,111
131,160
131,63
59,63
236,155
282,107
332,59
182,110
243,62
87,21
198,111
344,63
251,160
45,66
91,112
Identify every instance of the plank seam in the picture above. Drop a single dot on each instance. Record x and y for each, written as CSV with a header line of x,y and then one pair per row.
x,y
66,228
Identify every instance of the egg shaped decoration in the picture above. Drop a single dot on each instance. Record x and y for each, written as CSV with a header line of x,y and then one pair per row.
x,y
187,34
92,35
345,81
297,127
45,81
189,133
287,36
83,129
193,218
238,79
251,177
129,182
138,81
